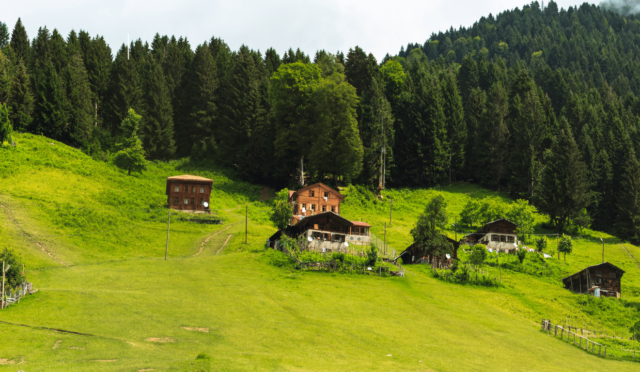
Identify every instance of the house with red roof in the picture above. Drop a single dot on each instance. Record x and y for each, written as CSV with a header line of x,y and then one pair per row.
x,y
189,193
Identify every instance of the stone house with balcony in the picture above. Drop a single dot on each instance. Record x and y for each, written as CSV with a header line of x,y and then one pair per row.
x,y
499,235
189,193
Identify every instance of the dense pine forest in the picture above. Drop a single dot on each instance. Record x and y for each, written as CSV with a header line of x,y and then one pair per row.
x,y
541,102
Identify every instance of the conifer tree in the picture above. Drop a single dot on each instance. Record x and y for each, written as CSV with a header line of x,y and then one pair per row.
x,y
5,78
564,191
157,129
628,220
272,60
195,135
5,123
455,125
21,101
4,35
492,151
98,60
243,117
474,112
468,78
49,112
20,42
79,111
124,92
176,66
58,51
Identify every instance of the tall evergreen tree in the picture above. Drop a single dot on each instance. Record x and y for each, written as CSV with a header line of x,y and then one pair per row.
x,y
564,189
455,125
124,92
157,129
492,151
628,220
97,59
195,136
4,35
21,101
49,113
20,42
79,110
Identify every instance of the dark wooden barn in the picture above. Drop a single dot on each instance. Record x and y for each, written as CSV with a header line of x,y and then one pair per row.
x,y
415,254
605,276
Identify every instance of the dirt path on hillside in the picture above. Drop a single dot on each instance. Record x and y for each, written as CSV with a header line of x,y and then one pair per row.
x,y
29,236
630,255
208,238
265,193
225,244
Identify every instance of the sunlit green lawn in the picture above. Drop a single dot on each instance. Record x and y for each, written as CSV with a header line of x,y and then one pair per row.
x,y
110,230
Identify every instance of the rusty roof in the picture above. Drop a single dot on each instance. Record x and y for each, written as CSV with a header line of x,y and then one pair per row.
x,y
188,177
359,223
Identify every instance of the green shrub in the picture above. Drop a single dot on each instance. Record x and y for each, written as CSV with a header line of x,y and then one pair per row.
x,y
203,356
522,254
372,255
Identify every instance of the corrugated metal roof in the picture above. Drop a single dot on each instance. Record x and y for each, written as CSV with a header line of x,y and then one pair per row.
x,y
188,177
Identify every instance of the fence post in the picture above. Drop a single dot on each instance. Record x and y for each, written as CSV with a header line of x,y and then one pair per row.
x,y
555,334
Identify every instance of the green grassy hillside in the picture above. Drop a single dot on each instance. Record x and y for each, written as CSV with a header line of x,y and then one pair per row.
x,y
102,274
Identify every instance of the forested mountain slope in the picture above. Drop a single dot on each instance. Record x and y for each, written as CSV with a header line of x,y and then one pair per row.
x,y
539,102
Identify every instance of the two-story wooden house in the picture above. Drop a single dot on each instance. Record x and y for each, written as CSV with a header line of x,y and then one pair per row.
x,y
189,193
499,235
313,199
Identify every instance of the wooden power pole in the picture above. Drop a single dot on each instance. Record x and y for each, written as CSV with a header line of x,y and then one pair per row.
x,y
385,238
166,249
3,270
391,213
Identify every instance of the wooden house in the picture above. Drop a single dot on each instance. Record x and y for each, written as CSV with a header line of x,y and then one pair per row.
x,y
326,232
499,235
189,193
605,276
314,199
415,254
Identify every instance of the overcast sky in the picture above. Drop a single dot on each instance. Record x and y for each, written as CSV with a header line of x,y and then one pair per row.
x,y
377,26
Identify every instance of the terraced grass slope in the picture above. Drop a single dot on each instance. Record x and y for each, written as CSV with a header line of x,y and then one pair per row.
x,y
102,275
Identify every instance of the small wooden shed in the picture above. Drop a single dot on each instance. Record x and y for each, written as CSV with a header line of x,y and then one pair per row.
x,y
415,254
605,276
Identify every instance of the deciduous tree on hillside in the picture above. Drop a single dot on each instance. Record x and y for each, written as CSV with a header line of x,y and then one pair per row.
x,y
131,156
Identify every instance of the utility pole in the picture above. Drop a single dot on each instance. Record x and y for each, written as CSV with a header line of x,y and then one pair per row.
x,y
391,212
602,249
246,219
455,228
166,250
385,238
558,246
3,271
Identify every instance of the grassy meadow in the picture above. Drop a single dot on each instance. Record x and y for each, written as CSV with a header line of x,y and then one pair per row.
x,y
102,275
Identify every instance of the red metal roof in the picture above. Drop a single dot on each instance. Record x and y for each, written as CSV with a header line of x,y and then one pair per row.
x,y
188,177
359,223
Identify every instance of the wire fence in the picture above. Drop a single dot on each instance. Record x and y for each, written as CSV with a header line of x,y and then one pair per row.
x,y
611,347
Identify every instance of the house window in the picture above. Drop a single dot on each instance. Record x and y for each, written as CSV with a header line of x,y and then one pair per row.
x,y
312,193
612,275
201,201
324,208
510,239
599,273
201,189
304,207
176,201
186,201
193,189
312,207
326,195
495,238
333,208
503,238
193,201
176,188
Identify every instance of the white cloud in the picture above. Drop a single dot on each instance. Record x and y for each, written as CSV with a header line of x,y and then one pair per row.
x,y
377,26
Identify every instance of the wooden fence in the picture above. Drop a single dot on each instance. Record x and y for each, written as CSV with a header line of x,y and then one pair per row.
x,y
577,336
11,297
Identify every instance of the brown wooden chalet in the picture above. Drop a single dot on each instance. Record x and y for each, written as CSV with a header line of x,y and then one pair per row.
x,y
415,254
314,199
189,193
499,235
605,276
326,232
